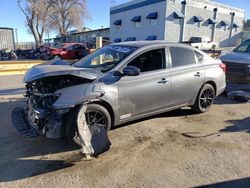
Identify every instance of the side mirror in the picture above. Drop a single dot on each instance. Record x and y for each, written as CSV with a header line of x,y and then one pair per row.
x,y
131,71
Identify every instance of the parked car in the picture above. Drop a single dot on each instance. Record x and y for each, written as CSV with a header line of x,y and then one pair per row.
x,y
7,55
91,44
238,64
202,43
116,84
69,51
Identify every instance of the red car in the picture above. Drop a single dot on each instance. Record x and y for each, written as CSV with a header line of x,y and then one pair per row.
x,y
69,51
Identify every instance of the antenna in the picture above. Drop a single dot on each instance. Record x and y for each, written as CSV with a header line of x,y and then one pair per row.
x,y
113,3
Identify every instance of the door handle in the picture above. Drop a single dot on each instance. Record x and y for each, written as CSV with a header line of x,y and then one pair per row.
x,y
163,81
198,74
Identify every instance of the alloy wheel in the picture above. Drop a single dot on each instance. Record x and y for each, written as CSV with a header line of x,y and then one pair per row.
x,y
207,98
96,118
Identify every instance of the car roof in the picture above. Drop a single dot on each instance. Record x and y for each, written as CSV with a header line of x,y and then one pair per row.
x,y
71,43
140,44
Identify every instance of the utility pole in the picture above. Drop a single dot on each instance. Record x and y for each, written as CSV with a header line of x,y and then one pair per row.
x,y
48,38
16,37
113,3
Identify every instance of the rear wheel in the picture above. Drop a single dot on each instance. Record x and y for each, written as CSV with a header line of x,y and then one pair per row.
x,y
205,99
95,115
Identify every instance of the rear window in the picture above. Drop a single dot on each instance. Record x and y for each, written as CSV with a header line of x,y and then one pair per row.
x,y
59,46
244,47
182,56
195,39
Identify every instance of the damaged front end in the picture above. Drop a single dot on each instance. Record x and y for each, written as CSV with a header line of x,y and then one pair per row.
x,y
41,113
50,95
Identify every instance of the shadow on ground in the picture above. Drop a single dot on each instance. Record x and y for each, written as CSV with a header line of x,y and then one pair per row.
x,y
174,113
22,158
239,183
222,99
15,91
238,125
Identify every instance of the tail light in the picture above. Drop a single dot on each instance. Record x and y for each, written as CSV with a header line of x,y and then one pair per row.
x,y
223,67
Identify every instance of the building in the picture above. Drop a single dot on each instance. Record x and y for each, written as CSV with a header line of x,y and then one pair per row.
x,y
25,45
7,40
246,31
82,37
176,21
86,36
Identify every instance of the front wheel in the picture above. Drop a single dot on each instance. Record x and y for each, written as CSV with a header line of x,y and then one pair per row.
x,y
205,99
95,114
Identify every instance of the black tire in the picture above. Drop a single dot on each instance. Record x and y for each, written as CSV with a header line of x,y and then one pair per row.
x,y
71,124
204,99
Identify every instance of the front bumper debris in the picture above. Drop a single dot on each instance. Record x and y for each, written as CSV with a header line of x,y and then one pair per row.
x,y
21,124
93,139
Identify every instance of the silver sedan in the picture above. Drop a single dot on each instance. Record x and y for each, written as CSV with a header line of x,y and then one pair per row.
x,y
116,84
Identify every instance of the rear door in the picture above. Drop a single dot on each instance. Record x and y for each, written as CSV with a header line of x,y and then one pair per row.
x,y
150,90
187,75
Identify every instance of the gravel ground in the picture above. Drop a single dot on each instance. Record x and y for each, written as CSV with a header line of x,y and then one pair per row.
x,y
174,149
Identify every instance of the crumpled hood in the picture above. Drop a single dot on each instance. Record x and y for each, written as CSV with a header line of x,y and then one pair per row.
x,y
236,57
41,71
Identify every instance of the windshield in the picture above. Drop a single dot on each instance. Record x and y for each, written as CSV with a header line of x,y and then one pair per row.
x,y
195,39
244,47
59,46
105,58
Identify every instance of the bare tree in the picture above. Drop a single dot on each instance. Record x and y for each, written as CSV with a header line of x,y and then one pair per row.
x,y
36,13
67,14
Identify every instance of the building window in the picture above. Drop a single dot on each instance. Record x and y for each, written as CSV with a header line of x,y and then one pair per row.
x,y
177,21
118,24
130,39
137,24
235,27
151,37
137,21
153,22
197,21
210,26
211,23
197,24
178,16
152,18
117,40
118,27
223,25
224,28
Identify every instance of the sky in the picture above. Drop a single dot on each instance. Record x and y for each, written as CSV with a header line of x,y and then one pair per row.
x,y
11,16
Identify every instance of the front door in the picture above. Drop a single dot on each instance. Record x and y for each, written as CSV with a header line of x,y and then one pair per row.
x,y
150,90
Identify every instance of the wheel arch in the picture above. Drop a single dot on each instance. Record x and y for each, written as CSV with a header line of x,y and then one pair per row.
x,y
106,105
211,83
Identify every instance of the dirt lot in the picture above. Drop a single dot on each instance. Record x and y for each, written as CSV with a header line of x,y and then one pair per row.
x,y
175,149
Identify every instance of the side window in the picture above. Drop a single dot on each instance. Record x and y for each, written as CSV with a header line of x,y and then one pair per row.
x,y
181,56
199,56
75,47
150,61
